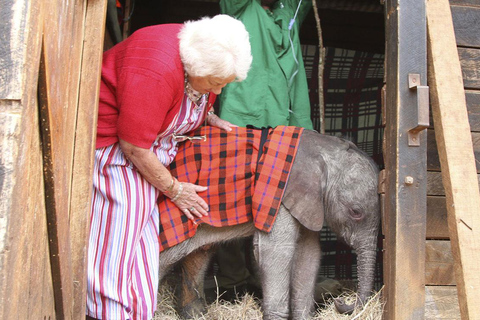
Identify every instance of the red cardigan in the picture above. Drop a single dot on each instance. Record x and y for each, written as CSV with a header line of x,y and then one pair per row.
x,y
142,87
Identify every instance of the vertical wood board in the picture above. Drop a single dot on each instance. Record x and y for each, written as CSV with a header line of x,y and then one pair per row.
x,y
405,204
85,147
25,278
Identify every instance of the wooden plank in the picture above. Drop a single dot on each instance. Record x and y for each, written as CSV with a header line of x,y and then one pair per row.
x,y
405,205
473,3
85,148
441,303
473,108
437,226
439,270
435,184
455,148
470,63
25,278
433,158
63,43
466,23
57,233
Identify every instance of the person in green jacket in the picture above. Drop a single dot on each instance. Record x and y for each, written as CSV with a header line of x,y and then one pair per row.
x,y
274,93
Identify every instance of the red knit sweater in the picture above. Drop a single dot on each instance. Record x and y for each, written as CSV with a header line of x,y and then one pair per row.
x,y
142,87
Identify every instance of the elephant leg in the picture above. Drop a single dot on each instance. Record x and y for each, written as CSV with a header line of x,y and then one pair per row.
x,y
192,297
274,253
304,274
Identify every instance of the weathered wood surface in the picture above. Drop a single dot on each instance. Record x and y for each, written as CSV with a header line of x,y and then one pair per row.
x,y
435,183
84,148
470,62
439,269
59,85
473,3
43,214
437,226
473,108
433,160
25,278
441,302
405,205
466,23
452,132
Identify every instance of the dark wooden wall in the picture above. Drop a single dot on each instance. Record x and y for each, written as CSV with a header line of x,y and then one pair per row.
x,y
352,24
440,271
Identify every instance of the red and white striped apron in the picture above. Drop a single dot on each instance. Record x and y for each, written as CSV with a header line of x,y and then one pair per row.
x,y
122,277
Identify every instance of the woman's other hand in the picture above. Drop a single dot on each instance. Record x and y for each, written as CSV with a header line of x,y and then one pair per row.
x,y
187,199
214,121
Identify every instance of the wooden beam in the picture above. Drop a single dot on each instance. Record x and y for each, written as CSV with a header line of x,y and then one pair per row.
x,y
405,194
25,278
85,148
455,148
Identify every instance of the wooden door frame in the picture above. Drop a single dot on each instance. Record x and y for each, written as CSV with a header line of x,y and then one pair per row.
x,y
404,220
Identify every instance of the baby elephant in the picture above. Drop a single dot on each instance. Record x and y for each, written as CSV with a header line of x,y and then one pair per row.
x,y
331,180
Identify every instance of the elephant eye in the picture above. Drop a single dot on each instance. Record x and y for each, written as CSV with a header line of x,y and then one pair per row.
x,y
355,214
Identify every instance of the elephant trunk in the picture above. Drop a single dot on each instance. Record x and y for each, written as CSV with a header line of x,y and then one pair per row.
x,y
366,258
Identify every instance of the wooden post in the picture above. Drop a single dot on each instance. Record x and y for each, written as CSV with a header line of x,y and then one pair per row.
x,y
405,192
454,141
85,148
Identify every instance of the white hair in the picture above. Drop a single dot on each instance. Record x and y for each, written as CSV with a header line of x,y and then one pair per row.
x,y
217,46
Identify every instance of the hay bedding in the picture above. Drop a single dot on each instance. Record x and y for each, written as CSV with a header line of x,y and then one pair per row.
x,y
248,307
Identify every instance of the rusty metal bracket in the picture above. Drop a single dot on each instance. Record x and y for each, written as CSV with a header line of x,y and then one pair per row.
x,y
423,102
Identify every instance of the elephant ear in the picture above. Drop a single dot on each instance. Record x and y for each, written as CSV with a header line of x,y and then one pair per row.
x,y
304,194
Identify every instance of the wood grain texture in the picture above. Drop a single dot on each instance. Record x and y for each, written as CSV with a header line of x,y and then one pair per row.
x,y
405,205
25,278
470,63
466,23
473,108
85,148
437,226
439,269
473,3
441,302
433,158
455,148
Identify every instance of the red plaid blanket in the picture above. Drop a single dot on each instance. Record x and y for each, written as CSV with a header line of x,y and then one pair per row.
x,y
239,188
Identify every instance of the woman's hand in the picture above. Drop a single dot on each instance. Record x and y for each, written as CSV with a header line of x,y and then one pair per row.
x,y
187,199
215,121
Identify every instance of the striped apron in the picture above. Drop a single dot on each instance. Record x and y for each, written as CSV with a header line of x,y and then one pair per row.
x,y
122,276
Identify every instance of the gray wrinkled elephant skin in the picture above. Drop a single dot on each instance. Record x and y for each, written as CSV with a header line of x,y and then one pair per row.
x,y
331,181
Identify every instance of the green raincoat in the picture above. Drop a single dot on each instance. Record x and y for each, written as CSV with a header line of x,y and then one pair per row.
x,y
275,91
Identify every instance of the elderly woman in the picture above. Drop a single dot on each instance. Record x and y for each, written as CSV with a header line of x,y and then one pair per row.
x,y
157,85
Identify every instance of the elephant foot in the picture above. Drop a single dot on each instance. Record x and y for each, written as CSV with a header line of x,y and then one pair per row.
x,y
194,309
275,315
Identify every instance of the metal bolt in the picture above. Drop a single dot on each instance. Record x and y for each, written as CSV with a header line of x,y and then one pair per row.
x,y
408,180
